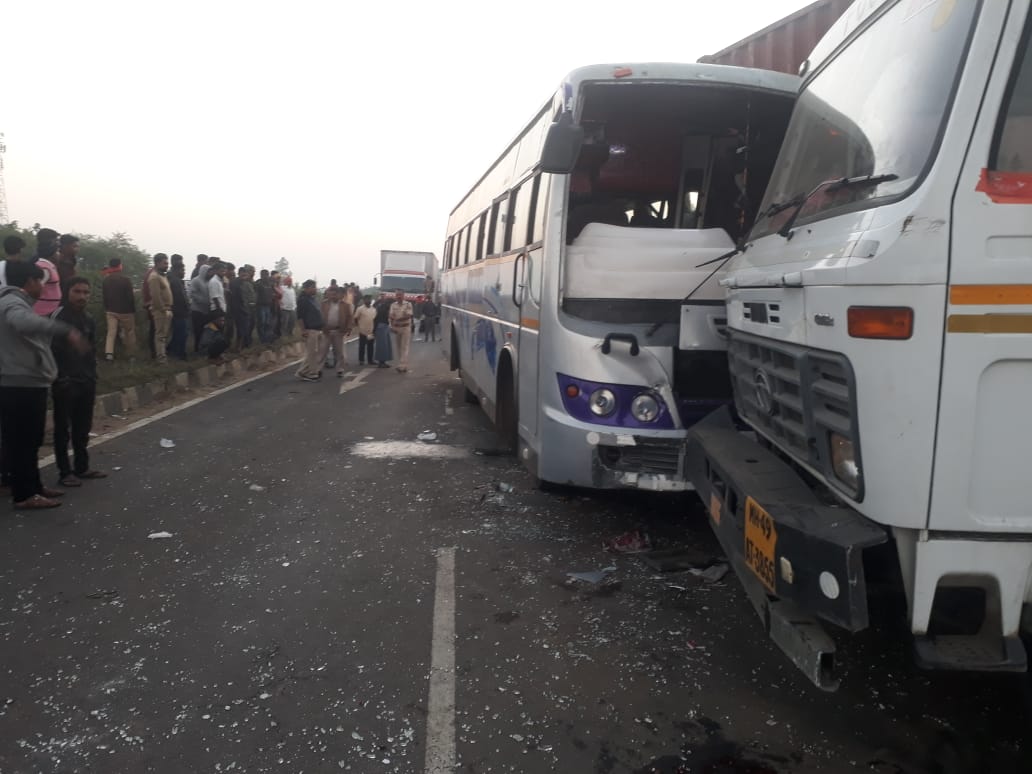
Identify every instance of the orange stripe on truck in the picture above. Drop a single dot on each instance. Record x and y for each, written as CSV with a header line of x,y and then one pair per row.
x,y
989,323
990,295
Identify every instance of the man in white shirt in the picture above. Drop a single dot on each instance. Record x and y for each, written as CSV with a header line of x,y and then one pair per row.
x,y
288,308
217,290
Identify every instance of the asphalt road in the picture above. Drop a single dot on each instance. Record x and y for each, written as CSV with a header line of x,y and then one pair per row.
x,y
288,624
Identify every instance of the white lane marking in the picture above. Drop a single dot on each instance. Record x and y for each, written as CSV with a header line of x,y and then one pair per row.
x,y
440,720
354,382
46,461
448,410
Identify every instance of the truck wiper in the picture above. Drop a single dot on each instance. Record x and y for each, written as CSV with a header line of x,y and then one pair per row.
x,y
830,185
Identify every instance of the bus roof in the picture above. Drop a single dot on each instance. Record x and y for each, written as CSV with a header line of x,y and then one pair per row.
x,y
685,71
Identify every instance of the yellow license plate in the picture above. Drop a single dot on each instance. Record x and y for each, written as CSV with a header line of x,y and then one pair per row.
x,y
760,540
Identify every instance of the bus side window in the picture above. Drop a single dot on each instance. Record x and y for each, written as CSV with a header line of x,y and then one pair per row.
x,y
540,195
494,233
476,239
481,227
519,233
1012,149
465,254
447,253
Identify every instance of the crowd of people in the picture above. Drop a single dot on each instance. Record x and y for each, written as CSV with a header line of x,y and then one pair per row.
x,y
48,345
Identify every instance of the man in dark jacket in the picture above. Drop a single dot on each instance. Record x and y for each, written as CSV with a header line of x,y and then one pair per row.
x,y
180,312
119,308
312,323
75,388
265,296
27,369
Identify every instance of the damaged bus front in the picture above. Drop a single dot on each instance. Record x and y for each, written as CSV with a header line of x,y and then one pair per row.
x,y
566,280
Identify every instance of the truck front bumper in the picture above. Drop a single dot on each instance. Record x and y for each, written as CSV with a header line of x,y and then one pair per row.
x,y
797,558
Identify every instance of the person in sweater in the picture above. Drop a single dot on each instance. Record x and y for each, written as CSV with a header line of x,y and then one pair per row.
x,y
46,254
160,293
180,312
200,304
202,263
264,292
365,322
13,246
217,291
119,309
213,339
75,389
337,317
27,369
277,305
312,323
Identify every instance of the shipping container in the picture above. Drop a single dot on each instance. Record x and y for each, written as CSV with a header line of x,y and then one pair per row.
x,y
784,45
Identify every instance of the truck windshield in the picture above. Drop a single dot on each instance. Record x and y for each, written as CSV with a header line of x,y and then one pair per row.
x,y
877,108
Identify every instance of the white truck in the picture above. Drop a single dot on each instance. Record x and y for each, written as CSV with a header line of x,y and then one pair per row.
x,y
879,324
407,270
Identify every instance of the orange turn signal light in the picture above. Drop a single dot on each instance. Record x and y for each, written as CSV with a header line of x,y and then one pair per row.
x,y
572,390
881,322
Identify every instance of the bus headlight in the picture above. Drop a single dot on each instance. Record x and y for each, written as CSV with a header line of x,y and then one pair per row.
x,y
645,408
602,402
843,461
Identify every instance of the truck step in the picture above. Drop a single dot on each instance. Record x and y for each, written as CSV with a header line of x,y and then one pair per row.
x,y
974,653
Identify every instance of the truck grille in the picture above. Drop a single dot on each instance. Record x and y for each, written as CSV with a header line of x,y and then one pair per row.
x,y
796,396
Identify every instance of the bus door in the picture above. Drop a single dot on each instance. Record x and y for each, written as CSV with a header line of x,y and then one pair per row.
x,y
528,273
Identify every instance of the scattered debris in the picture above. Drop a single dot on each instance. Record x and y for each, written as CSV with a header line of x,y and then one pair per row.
x,y
357,736
167,443
595,576
677,559
256,488
633,542
504,488
159,535
117,468
712,574
105,594
427,436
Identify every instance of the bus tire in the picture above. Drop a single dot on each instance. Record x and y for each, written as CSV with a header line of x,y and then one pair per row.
x,y
506,412
469,396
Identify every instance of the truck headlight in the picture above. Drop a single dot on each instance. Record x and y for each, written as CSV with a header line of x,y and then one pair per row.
x,y
843,461
645,408
602,402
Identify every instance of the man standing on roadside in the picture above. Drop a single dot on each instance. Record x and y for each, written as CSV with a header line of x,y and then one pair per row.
x,y
27,369
159,300
288,308
75,388
263,290
202,262
400,317
217,290
243,292
337,316
180,311
13,246
46,254
67,257
365,322
119,309
145,294
430,313
200,304
276,326
311,330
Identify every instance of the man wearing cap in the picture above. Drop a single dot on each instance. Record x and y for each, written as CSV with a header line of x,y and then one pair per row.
x,y
400,317
312,323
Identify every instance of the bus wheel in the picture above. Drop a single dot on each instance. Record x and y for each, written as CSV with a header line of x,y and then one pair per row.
x,y
506,413
469,396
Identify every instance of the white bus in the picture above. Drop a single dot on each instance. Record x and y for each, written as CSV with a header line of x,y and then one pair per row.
x,y
567,265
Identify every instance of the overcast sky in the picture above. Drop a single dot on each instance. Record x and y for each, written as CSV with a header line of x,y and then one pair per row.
x,y
320,131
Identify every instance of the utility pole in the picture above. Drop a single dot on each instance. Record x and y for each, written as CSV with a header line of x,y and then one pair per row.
x,y
3,190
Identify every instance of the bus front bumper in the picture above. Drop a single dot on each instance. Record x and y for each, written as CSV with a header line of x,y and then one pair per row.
x,y
599,457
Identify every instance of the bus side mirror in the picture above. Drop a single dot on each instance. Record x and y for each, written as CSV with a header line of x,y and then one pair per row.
x,y
562,145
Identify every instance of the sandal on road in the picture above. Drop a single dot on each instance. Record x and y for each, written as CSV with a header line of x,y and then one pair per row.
x,y
90,474
49,494
36,503
71,480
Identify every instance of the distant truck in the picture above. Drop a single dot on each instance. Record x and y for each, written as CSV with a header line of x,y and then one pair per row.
x,y
409,271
